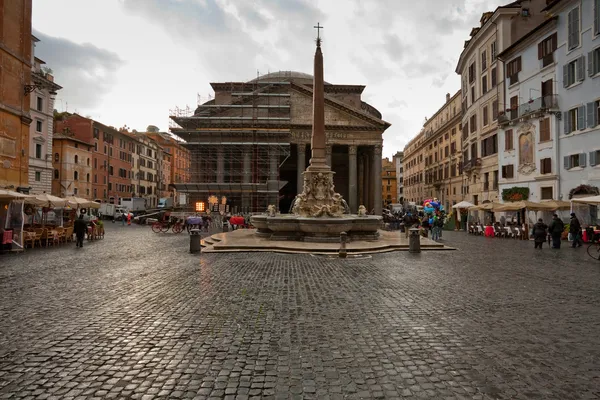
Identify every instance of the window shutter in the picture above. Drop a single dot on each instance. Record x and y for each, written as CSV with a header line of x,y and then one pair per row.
x,y
597,17
542,166
592,158
591,115
567,162
554,42
565,76
567,128
582,160
590,63
581,118
569,29
540,46
581,68
576,27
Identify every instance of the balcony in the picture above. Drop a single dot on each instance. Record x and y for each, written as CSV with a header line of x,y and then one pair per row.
x,y
472,164
541,104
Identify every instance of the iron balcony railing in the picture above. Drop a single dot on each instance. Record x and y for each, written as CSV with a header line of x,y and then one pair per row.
x,y
543,103
472,163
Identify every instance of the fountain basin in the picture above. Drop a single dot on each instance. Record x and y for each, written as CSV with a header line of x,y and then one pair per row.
x,y
315,229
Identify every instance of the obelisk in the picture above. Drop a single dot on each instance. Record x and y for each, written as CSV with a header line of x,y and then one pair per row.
x,y
318,160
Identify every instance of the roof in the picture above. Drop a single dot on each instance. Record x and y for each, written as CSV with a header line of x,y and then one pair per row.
x,y
551,4
531,33
283,76
61,136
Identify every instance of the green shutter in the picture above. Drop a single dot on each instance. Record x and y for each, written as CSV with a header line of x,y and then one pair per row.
x,y
592,158
567,127
567,162
581,118
591,115
597,17
576,27
582,160
590,63
580,68
565,75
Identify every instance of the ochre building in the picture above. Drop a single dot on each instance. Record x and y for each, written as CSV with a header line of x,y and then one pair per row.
x,y
388,182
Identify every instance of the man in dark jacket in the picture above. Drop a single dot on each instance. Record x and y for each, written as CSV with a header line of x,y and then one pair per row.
x,y
80,227
575,231
539,233
556,229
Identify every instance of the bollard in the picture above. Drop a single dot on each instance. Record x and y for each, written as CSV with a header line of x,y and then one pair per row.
x,y
343,239
414,241
195,239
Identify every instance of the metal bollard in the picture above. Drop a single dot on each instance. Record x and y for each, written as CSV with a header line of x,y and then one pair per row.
x,y
195,239
414,241
343,239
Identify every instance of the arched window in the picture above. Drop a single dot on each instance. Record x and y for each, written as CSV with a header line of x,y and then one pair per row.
x,y
76,158
56,157
56,174
75,175
88,176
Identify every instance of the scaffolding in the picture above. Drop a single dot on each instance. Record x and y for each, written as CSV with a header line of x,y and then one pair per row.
x,y
238,140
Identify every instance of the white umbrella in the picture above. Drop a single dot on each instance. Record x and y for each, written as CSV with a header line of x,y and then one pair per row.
x,y
463,204
10,195
592,200
82,203
47,200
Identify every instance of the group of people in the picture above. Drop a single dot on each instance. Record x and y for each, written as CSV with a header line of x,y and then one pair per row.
x,y
542,232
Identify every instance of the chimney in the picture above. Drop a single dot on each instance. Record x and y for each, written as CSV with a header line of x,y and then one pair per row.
x,y
447,97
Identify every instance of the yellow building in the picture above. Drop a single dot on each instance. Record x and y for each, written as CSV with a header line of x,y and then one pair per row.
x,y
412,165
441,147
15,87
388,182
72,163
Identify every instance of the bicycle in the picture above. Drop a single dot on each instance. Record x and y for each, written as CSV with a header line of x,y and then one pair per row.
x,y
593,250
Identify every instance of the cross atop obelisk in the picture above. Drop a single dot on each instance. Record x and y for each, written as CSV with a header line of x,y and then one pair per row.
x,y
318,28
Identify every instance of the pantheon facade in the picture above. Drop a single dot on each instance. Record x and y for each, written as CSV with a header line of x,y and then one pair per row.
x,y
250,144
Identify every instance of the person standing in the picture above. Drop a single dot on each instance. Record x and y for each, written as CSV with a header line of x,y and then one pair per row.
x,y
556,229
80,226
128,218
123,219
539,233
575,231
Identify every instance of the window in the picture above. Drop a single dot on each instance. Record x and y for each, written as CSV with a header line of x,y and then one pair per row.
x,y
546,49
485,116
56,157
546,166
87,178
95,178
95,146
574,161
75,175
465,130
56,174
472,73
105,149
494,110
595,158
508,140
546,193
489,146
96,133
40,104
38,176
545,130
111,170
508,171
110,152
574,72
573,28
473,123
38,150
512,70
597,17
494,75
472,94
38,126
594,61
574,119
484,87
75,191
473,151
493,52
76,159
483,60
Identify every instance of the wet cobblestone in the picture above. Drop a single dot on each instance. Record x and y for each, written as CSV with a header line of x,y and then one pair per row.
x,y
136,316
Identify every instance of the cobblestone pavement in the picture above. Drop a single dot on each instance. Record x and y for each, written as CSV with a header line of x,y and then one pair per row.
x,y
136,316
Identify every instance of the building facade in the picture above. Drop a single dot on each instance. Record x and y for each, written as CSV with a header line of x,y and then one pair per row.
x,y
528,134
16,60
442,153
397,159
72,167
149,169
164,182
251,143
482,77
577,58
413,165
41,130
180,157
389,185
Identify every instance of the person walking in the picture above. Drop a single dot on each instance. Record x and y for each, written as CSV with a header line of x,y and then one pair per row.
x,y
556,229
80,226
128,218
539,233
123,217
575,231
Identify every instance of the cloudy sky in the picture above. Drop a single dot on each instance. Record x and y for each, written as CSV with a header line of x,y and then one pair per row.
x,y
128,62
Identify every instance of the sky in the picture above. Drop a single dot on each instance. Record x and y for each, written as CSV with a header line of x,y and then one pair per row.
x,y
129,62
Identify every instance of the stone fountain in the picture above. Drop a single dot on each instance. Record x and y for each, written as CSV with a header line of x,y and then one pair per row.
x,y
318,212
